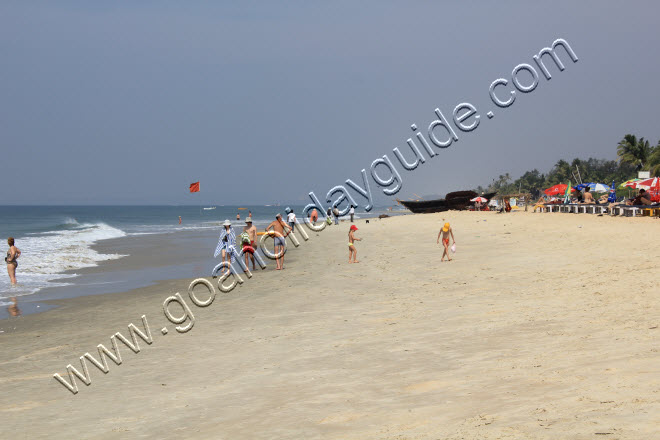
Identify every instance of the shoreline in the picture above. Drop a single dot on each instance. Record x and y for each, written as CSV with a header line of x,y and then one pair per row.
x,y
147,259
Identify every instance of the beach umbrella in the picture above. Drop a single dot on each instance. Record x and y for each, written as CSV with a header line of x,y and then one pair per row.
x,y
612,197
646,183
479,199
596,187
567,196
629,183
654,190
599,187
557,190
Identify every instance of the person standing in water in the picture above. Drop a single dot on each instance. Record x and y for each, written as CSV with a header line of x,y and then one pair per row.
x,y
446,231
238,216
12,255
179,219
351,244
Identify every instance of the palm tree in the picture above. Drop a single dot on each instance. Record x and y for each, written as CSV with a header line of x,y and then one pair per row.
x,y
633,151
654,160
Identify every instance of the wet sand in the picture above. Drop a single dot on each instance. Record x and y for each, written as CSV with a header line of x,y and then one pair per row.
x,y
544,326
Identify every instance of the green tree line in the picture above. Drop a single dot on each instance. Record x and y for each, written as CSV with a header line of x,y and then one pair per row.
x,y
633,155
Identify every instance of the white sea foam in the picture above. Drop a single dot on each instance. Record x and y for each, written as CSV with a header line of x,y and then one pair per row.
x,y
45,257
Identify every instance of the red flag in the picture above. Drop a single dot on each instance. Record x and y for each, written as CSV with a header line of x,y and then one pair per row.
x,y
194,187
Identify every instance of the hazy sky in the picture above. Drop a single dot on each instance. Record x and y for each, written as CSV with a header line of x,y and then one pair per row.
x,y
130,102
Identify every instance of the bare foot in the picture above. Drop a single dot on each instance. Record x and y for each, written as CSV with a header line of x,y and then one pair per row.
x,y
355,261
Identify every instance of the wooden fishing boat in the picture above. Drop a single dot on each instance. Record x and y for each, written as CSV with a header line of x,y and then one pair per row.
x,y
458,200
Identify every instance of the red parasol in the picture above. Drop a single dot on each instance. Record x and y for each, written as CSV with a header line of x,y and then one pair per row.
x,y
653,187
646,183
557,190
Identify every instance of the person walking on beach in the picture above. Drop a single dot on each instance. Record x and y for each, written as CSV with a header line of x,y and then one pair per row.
x,y
12,255
329,215
446,231
278,227
252,233
314,217
291,219
226,244
351,212
335,212
351,244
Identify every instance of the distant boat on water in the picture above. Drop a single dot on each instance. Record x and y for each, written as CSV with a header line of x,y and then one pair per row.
x,y
209,208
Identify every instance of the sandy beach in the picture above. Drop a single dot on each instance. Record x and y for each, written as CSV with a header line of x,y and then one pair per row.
x,y
545,326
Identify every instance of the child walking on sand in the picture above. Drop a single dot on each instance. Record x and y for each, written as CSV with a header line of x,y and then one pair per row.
x,y
351,244
446,231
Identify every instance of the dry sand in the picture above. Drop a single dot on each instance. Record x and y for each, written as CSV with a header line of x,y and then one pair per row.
x,y
545,326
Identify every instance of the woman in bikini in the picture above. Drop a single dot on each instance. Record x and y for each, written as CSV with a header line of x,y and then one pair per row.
x,y
446,231
12,254
351,247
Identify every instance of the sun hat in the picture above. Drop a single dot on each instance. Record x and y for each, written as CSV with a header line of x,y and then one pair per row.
x,y
248,220
226,223
354,228
446,228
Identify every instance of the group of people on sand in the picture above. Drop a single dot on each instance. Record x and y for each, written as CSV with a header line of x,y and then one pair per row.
x,y
227,247
643,198
280,230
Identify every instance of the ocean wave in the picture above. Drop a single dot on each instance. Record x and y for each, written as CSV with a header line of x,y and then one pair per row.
x,y
169,229
46,256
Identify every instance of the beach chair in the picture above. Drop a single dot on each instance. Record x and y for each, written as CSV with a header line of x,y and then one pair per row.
x,y
632,210
649,209
592,208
